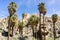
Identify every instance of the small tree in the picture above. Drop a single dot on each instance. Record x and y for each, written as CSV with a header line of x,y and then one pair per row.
x,y
33,21
42,10
12,9
13,22
21,26
54,19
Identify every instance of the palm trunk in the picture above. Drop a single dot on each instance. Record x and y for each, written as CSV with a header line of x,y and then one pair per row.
x,y
21,33
22,28
9,28
9,33
33,31
36,31
40,28
44,27
19,30
12,30
27,31
54,31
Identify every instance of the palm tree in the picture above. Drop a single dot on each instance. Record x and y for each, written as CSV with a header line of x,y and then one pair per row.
x,y
23,15
54,19
33,21
13,22
36,19
12,9
42,10
21,26
43,21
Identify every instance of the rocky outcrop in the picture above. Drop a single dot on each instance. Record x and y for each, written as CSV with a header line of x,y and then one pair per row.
x,y
48,23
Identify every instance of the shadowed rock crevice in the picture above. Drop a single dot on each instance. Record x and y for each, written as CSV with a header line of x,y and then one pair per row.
x,y
5,33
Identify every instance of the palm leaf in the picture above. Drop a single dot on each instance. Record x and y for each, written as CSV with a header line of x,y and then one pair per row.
x,y
54,17
33,20
12,7
42,8
20,24
14,18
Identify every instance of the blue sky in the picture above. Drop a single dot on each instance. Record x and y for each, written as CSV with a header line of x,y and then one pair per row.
x,y
29,6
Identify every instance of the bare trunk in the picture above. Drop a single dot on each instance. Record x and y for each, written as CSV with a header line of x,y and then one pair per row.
x,y
54,31
22,33
12,30
13,24
8,33
9,28
19,30
44,27
27,31
36,31
33,31
40,28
